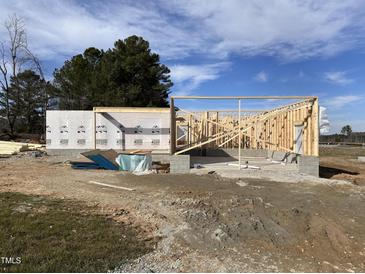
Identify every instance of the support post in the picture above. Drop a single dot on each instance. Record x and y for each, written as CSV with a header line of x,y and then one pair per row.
x,y
172,127
239,134
94,125
315,120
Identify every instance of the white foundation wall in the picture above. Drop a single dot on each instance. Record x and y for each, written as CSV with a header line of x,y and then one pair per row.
x,y
116,130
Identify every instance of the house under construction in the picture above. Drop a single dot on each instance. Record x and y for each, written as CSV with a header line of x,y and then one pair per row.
x,y
287,134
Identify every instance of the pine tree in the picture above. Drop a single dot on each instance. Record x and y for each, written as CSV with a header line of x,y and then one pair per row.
x,y
127,75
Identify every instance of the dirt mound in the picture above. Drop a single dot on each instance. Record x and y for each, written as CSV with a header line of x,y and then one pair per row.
x,y
252,223
235,221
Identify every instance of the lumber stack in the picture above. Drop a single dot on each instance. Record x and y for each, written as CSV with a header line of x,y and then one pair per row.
x,y
11,148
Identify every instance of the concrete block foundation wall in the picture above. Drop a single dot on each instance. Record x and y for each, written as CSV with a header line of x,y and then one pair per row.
x,y
179,164
308,165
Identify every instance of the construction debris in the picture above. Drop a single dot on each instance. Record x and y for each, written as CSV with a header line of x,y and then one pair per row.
x,y
104,159
136,161
112,186
283,162
12,148
245,166
160,167
84,165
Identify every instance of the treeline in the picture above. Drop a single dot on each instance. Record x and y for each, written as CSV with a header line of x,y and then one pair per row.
x,y
353,137
128,74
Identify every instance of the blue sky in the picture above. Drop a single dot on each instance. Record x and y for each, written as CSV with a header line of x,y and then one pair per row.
x,y
230,47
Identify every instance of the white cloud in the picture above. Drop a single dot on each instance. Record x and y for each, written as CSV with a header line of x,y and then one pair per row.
x,y
289,29
189,77
341,101
337,77
63,28
261,76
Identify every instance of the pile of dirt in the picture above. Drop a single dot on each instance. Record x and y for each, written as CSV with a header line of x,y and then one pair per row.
x,y
298,233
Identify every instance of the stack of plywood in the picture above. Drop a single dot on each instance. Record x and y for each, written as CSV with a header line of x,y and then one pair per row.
x,y
11,148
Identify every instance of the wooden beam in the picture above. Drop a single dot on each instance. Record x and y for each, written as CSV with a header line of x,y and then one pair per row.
x,y
206,118
203,143
315,115
230,139
172,127
243,97
130,109
230,110
240,135
94,126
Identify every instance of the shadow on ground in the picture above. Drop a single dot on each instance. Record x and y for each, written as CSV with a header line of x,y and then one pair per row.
x,y
329,172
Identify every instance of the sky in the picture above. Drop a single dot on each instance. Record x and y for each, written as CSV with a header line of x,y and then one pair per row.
x,y
212,47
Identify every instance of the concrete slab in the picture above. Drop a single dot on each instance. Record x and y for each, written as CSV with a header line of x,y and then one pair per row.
x,y
269,171
228,164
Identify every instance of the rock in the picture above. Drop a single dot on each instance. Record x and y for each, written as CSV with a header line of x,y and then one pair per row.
x,y
36,154
361,158
241,183
218,234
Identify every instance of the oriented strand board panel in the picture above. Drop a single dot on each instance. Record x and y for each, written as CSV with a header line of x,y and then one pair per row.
x,y
116,130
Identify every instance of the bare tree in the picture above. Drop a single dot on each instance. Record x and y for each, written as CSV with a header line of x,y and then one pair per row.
x,y
15,55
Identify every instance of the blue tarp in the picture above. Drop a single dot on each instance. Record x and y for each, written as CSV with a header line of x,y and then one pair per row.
x,y
134,162
84,165
104,159
111,160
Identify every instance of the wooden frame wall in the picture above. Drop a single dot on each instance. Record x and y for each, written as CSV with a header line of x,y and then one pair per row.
x,y
256,129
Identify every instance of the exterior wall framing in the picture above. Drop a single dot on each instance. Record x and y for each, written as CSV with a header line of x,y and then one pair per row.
x,y
251,129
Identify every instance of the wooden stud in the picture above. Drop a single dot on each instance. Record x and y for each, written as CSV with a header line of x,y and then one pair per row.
x,y
172,127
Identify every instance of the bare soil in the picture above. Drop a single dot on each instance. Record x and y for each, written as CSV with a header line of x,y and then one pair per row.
x,y
210,224
341,163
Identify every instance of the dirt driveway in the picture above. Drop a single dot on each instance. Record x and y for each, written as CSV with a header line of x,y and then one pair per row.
x,y
207,223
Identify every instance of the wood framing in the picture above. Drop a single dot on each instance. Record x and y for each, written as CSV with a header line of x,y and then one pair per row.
x,y
130,109
172,127
276,129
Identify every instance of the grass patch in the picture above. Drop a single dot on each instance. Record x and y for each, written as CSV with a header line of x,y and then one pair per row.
x,y
346,152
63,236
